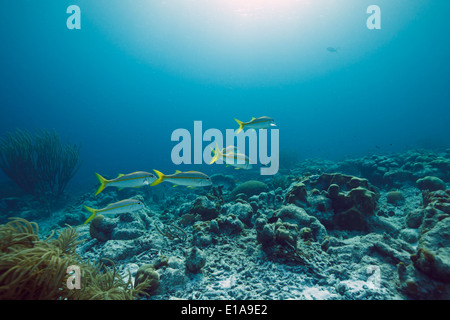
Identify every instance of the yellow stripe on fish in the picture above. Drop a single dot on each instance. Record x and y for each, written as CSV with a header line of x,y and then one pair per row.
x,y
187,178
132,180
239,160
127,205
256,123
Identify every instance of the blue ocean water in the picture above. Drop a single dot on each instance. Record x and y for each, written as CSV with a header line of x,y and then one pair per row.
x,y
136,71
362,83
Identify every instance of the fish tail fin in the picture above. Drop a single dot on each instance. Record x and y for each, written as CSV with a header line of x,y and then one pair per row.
x,y
160,178
241,125
103,183
217,154
91,210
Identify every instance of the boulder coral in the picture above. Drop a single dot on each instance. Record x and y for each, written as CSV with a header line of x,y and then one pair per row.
x,y
395,197
430,183
249,188
101,228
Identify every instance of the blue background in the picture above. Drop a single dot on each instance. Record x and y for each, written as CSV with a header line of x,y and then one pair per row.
x,y
138,70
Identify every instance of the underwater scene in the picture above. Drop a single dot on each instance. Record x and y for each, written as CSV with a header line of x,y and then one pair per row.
x,y
224,150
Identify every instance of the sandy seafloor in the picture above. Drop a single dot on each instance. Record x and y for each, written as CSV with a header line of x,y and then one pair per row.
x,y
371,228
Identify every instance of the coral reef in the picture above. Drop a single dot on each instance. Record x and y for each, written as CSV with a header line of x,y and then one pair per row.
x,y
356,229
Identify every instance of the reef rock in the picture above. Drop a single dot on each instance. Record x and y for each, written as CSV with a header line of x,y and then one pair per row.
x,y
437,208
277,239
229,224
243,210
195,260
296,194
430,183
147,273
131,225
295,215
353,199
433,255
207,209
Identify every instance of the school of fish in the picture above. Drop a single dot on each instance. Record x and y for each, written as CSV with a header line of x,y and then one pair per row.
x,y
191,179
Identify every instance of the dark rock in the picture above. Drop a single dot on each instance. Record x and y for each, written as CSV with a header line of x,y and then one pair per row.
x,y
296,193
195,260
207,209
351,219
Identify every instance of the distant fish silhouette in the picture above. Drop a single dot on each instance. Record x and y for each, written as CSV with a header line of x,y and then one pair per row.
x,y
331,49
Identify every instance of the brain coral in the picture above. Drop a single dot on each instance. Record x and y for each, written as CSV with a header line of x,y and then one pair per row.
x,y
431,183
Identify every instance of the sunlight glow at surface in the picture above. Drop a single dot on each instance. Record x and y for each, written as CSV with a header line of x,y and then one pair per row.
x,y
238,41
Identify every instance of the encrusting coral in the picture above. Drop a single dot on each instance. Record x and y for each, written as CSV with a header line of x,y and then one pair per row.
x,y
34,269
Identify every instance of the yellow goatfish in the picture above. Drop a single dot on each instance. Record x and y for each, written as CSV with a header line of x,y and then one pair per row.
x,y
235,159
256,123
188,178
127,205
132,180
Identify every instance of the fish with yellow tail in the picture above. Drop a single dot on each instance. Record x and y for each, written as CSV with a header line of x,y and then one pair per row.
x,y
256,123
232,158
122,206
187,178
132,180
